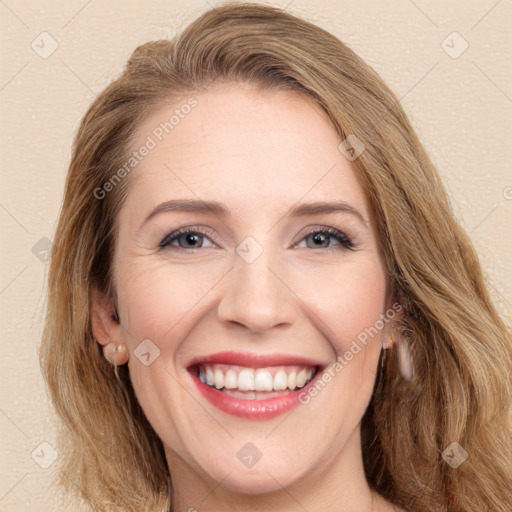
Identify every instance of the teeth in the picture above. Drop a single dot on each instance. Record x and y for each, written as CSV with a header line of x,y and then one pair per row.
x,y
263,381
248,379
301,378
230,381
292,380
218,379
280,380
209,376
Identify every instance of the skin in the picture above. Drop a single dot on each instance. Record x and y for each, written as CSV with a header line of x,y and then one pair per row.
x,y
259,153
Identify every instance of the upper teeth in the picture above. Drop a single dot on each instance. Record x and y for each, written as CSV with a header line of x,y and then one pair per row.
x,y
249,379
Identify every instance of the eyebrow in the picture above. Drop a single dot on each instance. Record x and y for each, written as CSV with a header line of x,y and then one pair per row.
x,y
220,210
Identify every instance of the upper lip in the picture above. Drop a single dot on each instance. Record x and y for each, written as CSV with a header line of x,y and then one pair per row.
x,y
253,360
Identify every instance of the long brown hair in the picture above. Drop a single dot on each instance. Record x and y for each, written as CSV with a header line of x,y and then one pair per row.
x,y
461,347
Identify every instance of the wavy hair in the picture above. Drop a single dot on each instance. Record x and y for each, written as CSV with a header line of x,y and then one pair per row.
x,y
461,347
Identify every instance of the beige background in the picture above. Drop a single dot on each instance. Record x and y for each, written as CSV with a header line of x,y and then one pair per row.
x,y
461,108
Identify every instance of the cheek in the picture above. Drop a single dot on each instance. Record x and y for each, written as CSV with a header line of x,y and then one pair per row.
x,y
156,297
160,303
363,303
349,299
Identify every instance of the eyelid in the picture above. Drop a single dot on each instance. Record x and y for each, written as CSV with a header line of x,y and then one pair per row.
x,y
207,232
344,240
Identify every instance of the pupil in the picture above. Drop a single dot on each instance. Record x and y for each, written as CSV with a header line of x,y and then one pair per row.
x,y
190,238
318,238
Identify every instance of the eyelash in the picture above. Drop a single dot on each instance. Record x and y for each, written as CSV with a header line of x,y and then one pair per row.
x,y
342,238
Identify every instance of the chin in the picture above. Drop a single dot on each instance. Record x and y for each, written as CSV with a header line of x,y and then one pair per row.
x,y
257,481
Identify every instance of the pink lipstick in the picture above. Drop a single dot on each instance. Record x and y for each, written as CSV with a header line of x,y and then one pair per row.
x,y
253,386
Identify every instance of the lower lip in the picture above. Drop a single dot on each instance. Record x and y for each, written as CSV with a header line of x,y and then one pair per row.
x,y
252,409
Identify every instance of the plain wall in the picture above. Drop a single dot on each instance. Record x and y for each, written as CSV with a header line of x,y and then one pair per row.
x,y
460,105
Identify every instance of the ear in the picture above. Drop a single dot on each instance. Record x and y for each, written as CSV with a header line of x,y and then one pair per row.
x,y
105,325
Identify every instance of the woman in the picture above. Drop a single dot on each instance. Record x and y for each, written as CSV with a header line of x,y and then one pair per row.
x,y
259,297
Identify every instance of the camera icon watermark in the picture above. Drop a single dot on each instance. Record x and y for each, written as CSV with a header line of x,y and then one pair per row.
x,y
351,147
454,45
455,455
147,352
44,455
249,250
249,455
44,45
43,249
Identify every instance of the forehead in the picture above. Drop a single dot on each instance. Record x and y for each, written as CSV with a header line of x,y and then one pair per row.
x,y
245,147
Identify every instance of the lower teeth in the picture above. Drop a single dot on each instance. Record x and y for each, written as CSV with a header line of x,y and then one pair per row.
x,y
257,395
254,395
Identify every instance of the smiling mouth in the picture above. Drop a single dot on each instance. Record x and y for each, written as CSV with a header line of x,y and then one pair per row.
x,y
254,383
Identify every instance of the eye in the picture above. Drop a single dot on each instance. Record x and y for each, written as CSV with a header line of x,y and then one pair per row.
x,y
194,238
322,236
187,238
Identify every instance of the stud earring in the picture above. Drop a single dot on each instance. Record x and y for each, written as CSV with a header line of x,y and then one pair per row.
x,y
116,353
404,358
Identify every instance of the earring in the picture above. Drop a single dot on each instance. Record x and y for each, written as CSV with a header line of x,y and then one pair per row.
x,y
116,353
404,358
386,341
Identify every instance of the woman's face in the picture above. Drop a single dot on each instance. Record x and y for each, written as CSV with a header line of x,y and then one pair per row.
x,y
252,280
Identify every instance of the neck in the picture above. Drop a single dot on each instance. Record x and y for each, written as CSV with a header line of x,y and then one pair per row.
x,y
339,485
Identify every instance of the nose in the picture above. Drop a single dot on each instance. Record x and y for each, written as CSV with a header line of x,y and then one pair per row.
x,y
257,295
